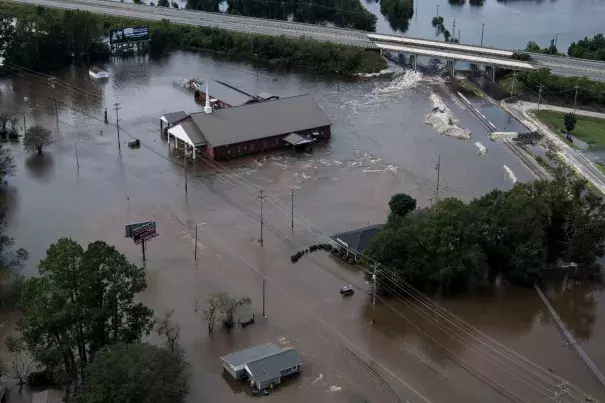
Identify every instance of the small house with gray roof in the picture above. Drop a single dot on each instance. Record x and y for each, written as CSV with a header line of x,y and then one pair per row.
x,y
264,365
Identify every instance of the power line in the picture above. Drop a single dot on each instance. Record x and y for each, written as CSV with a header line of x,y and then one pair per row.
x,y
274,229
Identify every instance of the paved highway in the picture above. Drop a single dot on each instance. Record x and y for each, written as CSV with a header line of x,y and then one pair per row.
x,y
559,65
219,20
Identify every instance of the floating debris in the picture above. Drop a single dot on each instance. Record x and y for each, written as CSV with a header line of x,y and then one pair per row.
x,y
501,136
510,173
481,148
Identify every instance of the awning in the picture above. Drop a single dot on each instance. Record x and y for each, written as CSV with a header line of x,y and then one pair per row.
x,y
188,132
296,139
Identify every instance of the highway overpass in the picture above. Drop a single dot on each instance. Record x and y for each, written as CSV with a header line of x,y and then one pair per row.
x,y
476,55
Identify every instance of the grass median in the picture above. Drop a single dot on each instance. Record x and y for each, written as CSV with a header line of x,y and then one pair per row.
x,y
588,129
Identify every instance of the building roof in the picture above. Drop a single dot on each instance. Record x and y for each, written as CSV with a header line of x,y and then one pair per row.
x,y
268,368
173,117
359,239
260,120
188,131
243,357
229,94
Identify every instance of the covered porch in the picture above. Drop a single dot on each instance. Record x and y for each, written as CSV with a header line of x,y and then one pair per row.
x,y
186,136
296,140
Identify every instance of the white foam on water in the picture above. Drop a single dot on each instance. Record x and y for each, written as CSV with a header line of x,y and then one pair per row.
x,y
338,163
372,170
406,80
281,165
375,161
335,388
510,173
305,176
392,168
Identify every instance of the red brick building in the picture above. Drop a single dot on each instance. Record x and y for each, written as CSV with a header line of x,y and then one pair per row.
x,y
256,127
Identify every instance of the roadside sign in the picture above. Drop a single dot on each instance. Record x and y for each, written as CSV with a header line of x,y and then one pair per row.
x,y
141,232
144,232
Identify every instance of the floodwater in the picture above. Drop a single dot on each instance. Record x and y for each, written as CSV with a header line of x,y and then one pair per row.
x,y
380,146
509,24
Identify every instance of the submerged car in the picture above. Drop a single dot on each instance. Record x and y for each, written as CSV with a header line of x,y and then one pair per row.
x,y
347,290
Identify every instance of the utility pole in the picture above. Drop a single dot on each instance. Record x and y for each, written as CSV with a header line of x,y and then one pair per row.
x,y
195,253
51,82
575,100
261,197
539,95
264,316
458,35
438,168
143,248
437,10
374,287
454,30
186,163
117,108
77,159
482,29
24,126
512,87
292,194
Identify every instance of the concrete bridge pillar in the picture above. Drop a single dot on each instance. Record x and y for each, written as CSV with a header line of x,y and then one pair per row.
x,y
451,67
490,73
474,67
414,61
401,59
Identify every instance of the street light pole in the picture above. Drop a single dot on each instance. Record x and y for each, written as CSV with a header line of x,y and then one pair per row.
x,y
482,29
437,10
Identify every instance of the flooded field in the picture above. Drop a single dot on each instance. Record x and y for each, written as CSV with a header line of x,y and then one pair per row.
x,y
380,146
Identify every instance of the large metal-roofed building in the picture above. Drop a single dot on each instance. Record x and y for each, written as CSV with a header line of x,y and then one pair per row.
x,y
255,127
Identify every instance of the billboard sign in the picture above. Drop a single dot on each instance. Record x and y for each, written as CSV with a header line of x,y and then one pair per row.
x,y
144,232
125,35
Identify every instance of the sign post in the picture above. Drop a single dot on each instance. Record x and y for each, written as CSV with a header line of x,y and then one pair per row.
x,y
141,232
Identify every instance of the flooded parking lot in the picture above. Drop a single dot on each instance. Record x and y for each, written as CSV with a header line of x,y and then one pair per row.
x,y
380,146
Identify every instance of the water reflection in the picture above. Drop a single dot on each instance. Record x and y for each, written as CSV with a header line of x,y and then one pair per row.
x,y
576,304
40,167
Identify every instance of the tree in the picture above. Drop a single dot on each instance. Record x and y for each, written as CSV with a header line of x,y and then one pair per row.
x,y
171,330
11,261
570,121
229,305
82,301
401,204
211,309
224,304
135,373
20,363
163,3
4,119
520,235
37,138
593,48
175,4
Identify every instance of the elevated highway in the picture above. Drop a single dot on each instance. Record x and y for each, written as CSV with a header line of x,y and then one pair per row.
x,y
451,52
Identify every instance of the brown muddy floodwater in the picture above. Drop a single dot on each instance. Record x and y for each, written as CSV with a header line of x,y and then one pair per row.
x,y
380,146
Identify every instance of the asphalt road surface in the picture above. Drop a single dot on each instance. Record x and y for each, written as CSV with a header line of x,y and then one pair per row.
x,y
219,20
559,65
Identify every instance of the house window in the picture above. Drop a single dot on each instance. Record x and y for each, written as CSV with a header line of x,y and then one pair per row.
x,y
294,368
252,147
265,143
